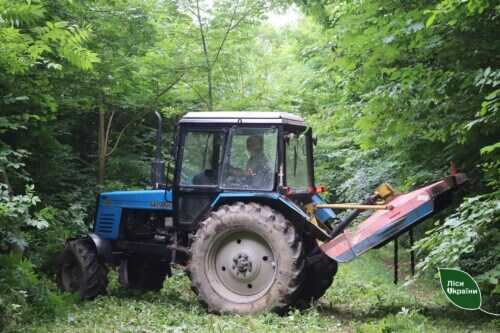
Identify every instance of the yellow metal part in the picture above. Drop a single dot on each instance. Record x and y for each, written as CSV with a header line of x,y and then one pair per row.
x,y
384,191
310,210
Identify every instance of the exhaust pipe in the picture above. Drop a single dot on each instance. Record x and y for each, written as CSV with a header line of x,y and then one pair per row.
x,y
158,165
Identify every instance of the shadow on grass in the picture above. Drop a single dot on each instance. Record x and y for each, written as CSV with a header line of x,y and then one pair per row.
x,y
432,312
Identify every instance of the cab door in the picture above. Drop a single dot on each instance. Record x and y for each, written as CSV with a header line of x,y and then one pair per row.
x,y
198,168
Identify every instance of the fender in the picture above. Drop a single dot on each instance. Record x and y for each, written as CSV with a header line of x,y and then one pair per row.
x,y
276,201
103,247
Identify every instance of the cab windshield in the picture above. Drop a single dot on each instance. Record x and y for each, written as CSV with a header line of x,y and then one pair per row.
x,y
250,161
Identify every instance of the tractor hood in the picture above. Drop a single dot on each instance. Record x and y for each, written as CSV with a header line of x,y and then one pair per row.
x,y
111,204
152,199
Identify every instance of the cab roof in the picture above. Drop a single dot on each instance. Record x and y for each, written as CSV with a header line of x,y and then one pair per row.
x,y
242,117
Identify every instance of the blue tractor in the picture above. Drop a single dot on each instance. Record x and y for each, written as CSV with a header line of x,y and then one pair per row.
x,y
233,217
242,215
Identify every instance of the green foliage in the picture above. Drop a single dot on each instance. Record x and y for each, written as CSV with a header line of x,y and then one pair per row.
x,y
404,321
28,38
491,165
24,295
44,247
15,217
468,239
403,87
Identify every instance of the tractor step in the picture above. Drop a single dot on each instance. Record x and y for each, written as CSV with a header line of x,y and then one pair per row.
x,y
403,212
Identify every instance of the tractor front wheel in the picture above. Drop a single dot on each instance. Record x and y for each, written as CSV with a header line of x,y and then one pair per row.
x,y
246,258
80,271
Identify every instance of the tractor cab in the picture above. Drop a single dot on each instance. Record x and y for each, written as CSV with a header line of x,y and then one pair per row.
x,y
239,152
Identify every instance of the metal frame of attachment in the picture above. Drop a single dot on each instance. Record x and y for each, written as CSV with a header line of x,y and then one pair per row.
x,y
355,206
396,256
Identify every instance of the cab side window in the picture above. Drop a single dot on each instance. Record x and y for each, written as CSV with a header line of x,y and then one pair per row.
x,y
201,158
296,162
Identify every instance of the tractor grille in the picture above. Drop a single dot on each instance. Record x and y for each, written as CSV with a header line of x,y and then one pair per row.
x,y
108,222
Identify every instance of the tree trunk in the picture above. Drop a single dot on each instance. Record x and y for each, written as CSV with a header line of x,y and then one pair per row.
x,y
207,57
210,98
101,147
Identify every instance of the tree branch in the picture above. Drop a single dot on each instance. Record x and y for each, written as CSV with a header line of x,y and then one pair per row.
x,y
108,130
197,92
119,137
230,28
226,34
202,33
167,88
142,114
227,78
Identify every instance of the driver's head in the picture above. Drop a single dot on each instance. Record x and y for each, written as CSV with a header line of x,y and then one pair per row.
x,y
255,144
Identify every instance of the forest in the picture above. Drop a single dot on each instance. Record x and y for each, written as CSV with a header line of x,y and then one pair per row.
x,y
395,91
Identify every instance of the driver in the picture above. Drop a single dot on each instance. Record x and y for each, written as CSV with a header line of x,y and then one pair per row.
x,y
257,162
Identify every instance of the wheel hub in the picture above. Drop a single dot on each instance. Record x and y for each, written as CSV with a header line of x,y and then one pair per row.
x,y
243,265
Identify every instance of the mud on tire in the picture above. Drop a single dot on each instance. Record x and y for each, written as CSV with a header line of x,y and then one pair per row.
x,y
246,258
79,269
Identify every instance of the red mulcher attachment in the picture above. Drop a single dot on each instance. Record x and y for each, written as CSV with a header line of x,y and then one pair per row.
x,y
399,214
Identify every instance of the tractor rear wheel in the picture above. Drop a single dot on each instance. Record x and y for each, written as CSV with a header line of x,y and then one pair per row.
x,y
80,271
246,258
318,277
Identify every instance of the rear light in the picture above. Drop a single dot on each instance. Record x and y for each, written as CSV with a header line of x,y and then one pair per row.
x,y
311,190
317,189
320,189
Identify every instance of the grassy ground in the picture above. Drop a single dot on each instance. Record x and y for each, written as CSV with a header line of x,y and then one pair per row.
x,y
362,299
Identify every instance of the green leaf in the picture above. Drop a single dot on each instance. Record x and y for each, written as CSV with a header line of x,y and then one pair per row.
x,y
460,288
431,19
489,149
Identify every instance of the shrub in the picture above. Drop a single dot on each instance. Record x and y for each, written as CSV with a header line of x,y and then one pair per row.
x,y
24,295
468,239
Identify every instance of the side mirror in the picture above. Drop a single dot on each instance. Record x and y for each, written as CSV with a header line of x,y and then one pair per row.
x,y
315,140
